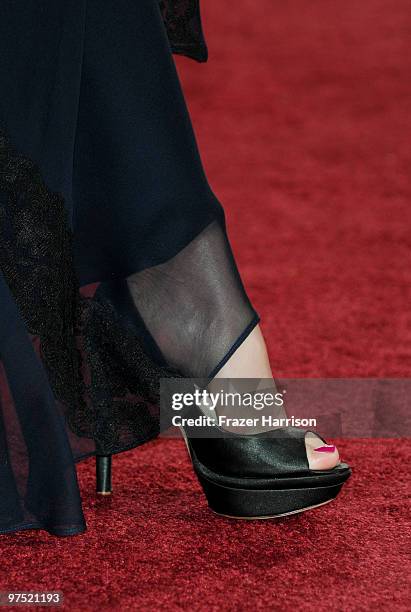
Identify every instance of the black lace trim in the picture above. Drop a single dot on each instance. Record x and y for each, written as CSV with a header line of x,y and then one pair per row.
x,y
182,19
106,384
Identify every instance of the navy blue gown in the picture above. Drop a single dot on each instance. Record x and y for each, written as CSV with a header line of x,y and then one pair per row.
x,y
115,267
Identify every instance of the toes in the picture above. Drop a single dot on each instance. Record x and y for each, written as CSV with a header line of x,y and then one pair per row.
x,y
320,456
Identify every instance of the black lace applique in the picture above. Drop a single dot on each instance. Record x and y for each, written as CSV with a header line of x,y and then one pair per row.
x,y
183,22
107,385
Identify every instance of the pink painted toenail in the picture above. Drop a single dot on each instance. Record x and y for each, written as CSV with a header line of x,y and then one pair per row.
x,y
328,448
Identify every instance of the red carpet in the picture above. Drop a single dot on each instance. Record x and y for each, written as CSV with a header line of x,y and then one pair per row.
x,y
155,546
303,121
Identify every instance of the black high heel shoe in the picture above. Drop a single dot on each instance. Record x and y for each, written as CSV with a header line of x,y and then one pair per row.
x,y
262,475
253,477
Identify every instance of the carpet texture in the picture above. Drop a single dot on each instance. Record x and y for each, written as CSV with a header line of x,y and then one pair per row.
x,y
303,121
155,546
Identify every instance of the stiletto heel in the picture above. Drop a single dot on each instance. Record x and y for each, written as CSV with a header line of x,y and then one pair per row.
x,y
103,475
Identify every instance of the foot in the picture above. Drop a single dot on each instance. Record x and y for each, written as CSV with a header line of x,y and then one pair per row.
x,y
251,361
